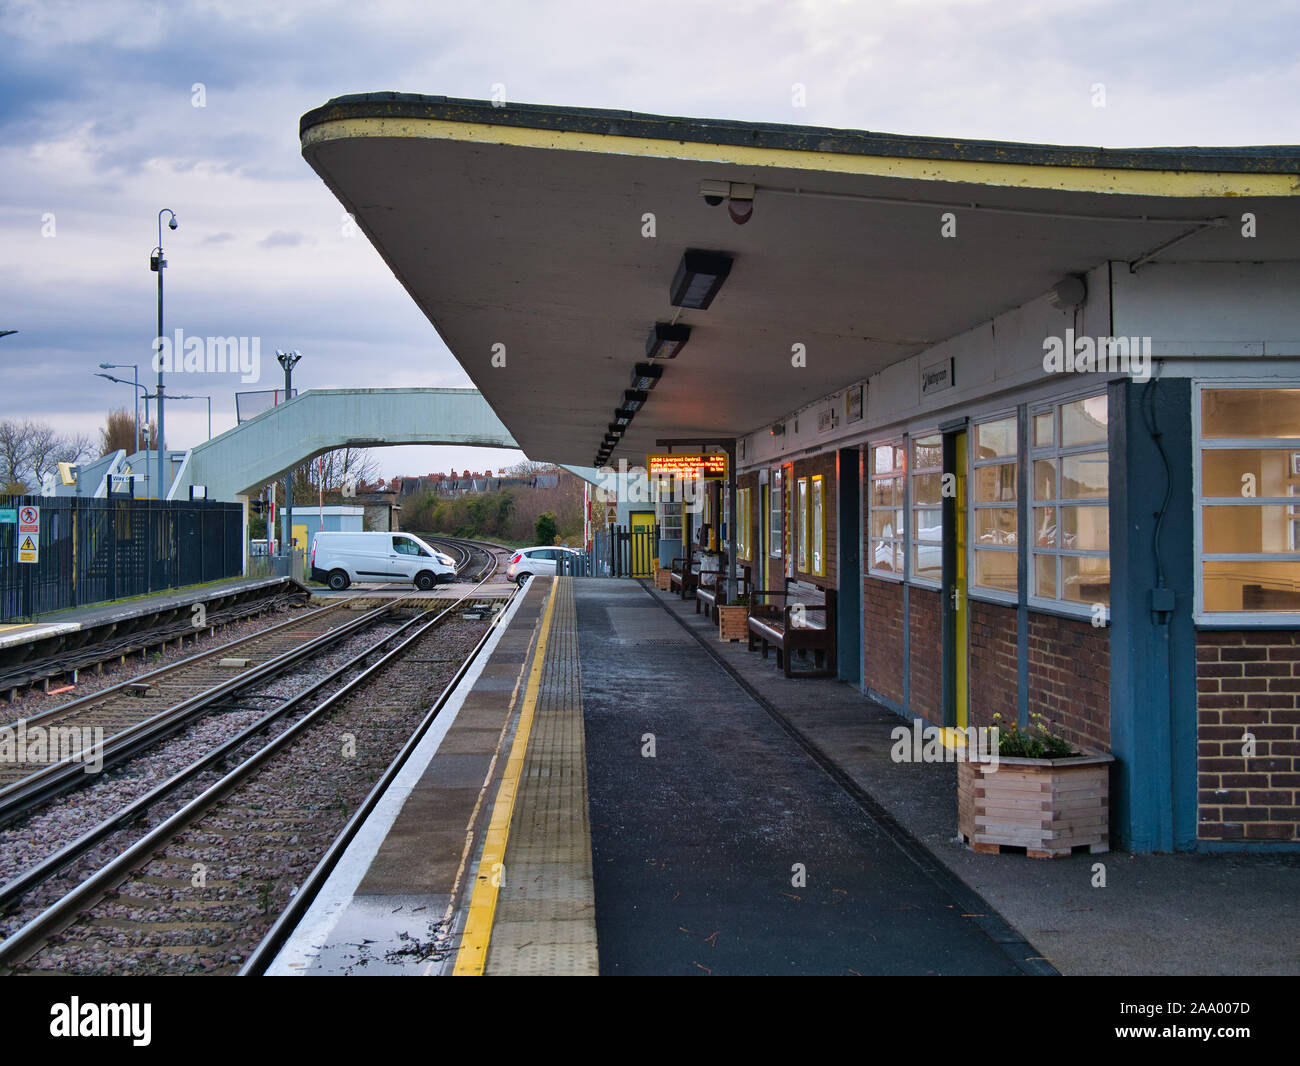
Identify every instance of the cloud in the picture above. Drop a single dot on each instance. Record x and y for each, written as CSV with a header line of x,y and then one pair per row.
x,y
99,129
284,239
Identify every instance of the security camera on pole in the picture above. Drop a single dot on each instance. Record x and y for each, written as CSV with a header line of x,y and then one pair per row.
x,y
157,263
288,360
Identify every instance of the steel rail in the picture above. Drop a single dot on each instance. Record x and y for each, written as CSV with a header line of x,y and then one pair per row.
x,y
55,778
25,942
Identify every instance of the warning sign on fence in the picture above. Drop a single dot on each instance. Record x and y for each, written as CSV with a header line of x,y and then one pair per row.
x,y
29,534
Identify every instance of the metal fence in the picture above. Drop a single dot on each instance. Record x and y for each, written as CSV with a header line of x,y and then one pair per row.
x,y
616,551
93,550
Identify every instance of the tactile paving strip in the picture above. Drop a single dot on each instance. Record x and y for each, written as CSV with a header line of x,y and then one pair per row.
x,y
546,913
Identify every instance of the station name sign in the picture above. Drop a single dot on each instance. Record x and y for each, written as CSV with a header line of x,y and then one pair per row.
x,y
688,467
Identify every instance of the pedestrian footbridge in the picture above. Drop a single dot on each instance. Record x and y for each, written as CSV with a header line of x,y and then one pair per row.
x,y
243,459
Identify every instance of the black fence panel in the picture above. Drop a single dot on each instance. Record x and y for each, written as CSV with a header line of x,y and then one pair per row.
x,y
94,550
617,551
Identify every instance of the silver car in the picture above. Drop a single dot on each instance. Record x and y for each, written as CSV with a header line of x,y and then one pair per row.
x,y
527,562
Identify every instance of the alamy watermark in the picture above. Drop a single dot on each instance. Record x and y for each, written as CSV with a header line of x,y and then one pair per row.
x,y
180,354
1098,355
919,743
40,745
634,484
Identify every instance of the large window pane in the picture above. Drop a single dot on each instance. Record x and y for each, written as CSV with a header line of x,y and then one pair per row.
x,y
927,524
1046,534
1083,422
995,439
1044,479
928,452
1251,585
927,561
1045,429
996,570
1045,576
995,525
995,484
1240,413
927,489
887,523
1246,529
1085,579
1084,476
1249,471
1085,528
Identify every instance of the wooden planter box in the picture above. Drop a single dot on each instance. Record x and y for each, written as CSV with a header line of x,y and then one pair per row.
x,y
1047,806
663,579
733,623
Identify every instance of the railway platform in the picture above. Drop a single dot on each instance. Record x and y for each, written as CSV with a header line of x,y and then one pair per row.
x,y
612,790
603,797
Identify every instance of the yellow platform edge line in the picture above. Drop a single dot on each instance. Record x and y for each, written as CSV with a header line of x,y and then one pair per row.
x,y
471,957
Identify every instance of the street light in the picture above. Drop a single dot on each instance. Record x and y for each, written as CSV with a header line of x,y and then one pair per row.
x,y
288,360
7,332
147,397
157,263
180,396
135,368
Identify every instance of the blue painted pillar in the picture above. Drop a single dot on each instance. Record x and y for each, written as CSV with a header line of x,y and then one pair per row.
x,y
1152,638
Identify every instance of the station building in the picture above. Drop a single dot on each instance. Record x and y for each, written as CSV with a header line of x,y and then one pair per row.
x,y
1028,415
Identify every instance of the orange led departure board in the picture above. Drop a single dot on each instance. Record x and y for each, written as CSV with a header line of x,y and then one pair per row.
x,y
688,467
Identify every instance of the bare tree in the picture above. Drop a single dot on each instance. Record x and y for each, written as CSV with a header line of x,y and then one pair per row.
x,y
13,451
79,448
44,447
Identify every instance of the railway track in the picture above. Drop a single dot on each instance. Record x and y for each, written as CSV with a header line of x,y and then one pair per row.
x,y
258,830
70,663
57,747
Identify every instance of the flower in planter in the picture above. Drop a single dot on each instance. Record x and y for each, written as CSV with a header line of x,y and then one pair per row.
x,y
1036,742
740,601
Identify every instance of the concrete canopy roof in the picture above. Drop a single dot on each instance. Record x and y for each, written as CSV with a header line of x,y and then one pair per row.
x,y
522,226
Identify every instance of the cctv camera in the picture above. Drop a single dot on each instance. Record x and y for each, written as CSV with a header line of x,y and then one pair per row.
x,y
714,192
171,223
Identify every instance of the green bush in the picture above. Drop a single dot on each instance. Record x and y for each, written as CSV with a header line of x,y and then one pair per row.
x,y
544,528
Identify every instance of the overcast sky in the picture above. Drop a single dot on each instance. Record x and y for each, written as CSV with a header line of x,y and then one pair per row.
x,y
99,130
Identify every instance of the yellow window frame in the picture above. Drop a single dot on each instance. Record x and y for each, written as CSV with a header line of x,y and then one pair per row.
x,y
817,525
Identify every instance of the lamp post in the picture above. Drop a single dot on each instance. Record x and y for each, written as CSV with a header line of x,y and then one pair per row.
x,y
157,263
288,360
147,397
182,396
135,375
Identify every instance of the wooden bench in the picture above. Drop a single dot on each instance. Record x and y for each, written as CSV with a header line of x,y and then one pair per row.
x,y
713,593
792,621
684,578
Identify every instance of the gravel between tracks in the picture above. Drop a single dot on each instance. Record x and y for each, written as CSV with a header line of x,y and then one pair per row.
x,y
254,848
34,701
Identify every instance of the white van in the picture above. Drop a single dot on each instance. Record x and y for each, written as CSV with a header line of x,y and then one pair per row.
x,y
338,559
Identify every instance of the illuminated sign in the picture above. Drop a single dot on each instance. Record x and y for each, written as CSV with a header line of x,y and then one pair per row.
x,y
688,467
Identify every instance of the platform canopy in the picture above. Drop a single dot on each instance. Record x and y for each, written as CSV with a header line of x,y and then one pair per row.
x,y
557,233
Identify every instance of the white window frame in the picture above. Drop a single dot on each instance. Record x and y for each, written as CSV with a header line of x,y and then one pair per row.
x,y
900,536
1056,451
980,592
910,511
1243,619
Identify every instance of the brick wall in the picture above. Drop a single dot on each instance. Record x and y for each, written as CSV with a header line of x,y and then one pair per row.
x,y
825,466
994,663
1069,677
882,637
1248,681
926,653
